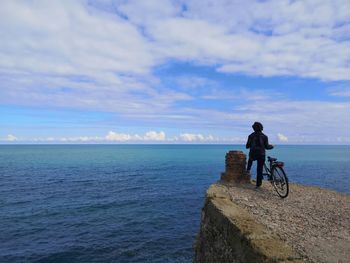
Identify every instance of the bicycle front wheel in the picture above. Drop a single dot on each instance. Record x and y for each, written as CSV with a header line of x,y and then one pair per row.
x,y
280,181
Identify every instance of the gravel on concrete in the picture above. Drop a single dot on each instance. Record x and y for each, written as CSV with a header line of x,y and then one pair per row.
x,y
315,222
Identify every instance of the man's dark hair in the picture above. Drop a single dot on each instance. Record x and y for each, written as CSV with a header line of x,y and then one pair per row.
x,y
257,127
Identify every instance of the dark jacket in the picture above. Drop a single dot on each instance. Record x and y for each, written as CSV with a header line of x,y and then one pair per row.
x,y
257,143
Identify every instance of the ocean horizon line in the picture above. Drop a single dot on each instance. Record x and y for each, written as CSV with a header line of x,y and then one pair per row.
x,y
206,144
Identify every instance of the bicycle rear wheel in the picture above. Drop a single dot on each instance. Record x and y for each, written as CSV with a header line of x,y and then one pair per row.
x,y
280,181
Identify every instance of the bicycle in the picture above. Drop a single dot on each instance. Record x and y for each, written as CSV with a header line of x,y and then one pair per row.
x,y
277,176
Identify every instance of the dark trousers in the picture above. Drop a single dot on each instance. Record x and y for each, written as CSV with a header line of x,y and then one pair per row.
x,y
259,168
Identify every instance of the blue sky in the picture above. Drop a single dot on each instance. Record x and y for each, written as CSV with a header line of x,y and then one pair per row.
x,y
171,71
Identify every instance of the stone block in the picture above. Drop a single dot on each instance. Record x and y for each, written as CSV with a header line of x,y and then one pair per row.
x,y
235,167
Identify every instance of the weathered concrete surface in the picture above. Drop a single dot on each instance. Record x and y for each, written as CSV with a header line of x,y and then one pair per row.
x,y
315,222
228,233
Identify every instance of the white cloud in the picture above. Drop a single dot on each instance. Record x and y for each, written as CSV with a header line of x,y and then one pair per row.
x,y
192,82
238,94
282,138
154,136
343,140
192,137
69,54
307,121
88,56
300,38
69,38
148,136
74,54
92,50
112,136
160,137
79,139
11,138
340,91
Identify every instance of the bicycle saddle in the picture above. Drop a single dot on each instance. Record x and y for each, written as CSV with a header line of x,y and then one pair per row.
x,y
271,159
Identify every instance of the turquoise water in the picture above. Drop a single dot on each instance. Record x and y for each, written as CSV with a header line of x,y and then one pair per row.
x,y
125,203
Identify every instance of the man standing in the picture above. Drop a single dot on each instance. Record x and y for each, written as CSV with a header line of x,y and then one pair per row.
x,y
257,143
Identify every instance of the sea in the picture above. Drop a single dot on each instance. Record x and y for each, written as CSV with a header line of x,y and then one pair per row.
x,y
126,203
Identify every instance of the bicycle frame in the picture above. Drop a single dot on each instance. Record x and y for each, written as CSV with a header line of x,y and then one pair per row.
x,y
267,170
280,180
272,163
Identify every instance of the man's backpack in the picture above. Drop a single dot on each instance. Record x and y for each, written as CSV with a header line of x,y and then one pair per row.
x,y
257,146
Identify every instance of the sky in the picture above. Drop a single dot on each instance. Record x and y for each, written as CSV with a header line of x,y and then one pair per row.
x,y
172,71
